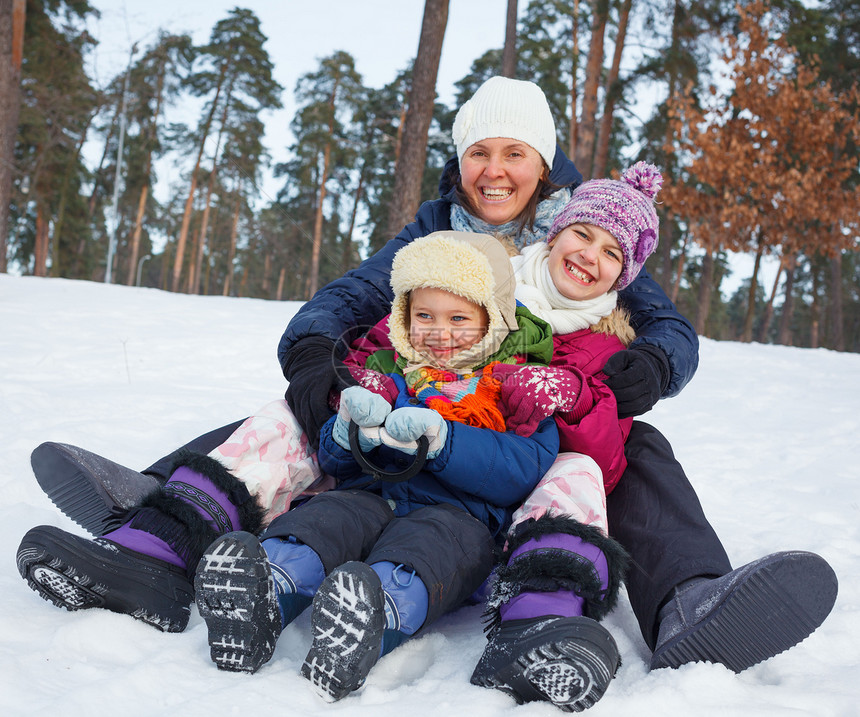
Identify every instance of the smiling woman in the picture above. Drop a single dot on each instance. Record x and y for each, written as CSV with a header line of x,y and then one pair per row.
x,y
499,178
505,157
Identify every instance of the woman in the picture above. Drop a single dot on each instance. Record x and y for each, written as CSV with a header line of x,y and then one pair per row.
x,y
509,179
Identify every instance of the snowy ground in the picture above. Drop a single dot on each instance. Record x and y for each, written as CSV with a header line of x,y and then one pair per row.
x,y
769,436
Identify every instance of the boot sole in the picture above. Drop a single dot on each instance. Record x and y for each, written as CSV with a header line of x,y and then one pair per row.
x,y
347,622
96,500
570,663
770,611
77,574
235,596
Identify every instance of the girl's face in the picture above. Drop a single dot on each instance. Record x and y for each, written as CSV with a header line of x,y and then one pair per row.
x,y
499,176
442,324
585,261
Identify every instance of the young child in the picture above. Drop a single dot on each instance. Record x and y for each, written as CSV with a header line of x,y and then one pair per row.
x,y
560,570
382,560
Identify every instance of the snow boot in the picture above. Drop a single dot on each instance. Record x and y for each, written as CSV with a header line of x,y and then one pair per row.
x,y
406,603
348,625
748,615
558,579
93,491
247,593
568,661
144,567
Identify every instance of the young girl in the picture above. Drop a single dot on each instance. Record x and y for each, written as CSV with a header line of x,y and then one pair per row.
x,y
382,559
560,570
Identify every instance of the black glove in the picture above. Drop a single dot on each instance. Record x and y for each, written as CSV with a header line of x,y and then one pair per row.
x,y
313,371
638,378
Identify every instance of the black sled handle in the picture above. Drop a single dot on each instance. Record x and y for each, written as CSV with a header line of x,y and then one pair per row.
x,y
379,473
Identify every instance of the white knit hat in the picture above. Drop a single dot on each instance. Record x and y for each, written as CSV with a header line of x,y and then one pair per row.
x,y
474,266
503,107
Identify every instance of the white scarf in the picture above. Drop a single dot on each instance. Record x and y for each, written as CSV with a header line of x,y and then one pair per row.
x,y
536,290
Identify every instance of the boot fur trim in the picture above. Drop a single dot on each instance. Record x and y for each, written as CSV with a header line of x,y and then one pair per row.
x,y
250,513
550,571
175,522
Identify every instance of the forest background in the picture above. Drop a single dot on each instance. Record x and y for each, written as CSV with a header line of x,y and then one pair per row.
x,y
756,126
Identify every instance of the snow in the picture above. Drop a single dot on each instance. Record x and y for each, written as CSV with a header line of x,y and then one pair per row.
x,y
768,435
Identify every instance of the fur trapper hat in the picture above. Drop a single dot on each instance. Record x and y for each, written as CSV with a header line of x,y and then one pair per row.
x,y
474,266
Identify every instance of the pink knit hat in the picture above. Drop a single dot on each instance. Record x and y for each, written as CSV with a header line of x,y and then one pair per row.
x,y
624,208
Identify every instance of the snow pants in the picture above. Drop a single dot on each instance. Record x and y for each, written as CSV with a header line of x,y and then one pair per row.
x,y
653,512
451,551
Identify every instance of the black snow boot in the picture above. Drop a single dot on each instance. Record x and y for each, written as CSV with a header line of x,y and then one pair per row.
x,y
747,616
143,568
236,596
558,579
93,491
77,573
568,661
348,622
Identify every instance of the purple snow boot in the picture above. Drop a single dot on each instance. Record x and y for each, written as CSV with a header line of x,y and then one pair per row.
x,y
145,567
559,578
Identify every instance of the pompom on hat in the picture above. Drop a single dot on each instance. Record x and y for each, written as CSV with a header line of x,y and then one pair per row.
x,y
624,208
503,107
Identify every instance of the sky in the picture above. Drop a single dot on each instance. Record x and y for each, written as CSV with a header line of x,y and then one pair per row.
x,y
381,35
767,434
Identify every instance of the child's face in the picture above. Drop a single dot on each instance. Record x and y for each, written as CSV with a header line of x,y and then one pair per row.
x,y
442,324
585,261
499,176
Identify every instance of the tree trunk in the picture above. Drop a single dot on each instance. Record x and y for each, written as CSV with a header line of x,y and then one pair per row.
x,y
267,270
746,335
613,92
815,313
768,309
57,268
91,205
784,332
664,250
40,251
509,54
12,17
281,277
837,334
573,128
346,259
314,276
584,157
703,307
679,272
135,235
189,203
409,170
144,192
234,233
200,243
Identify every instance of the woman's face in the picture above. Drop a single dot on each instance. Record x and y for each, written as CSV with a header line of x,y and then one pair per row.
x,y
585,261
442,324
499,176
